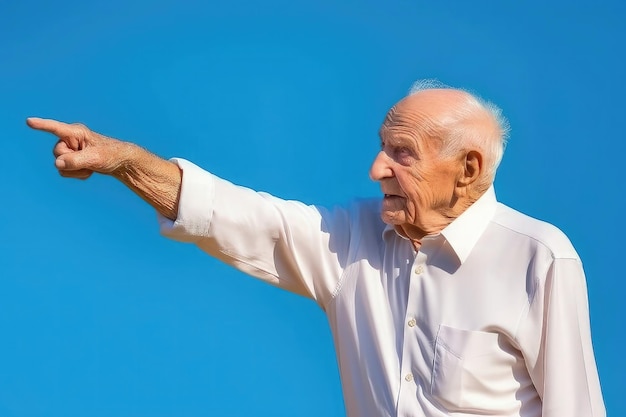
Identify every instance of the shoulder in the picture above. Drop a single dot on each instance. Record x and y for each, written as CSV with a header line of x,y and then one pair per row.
x,y
367,213
362,213
363,217
367,208
540,233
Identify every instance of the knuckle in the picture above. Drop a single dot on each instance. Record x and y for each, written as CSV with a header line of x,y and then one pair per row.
x,y
81,128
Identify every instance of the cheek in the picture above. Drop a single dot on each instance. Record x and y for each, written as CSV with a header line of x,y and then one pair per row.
x,y
421,195
411,181
415,188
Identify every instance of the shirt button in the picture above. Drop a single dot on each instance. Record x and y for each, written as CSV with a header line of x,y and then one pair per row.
x,y
408,377
412,322
419,269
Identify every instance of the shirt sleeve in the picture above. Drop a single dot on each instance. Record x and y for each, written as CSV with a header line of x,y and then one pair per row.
x,y
556,343
294,246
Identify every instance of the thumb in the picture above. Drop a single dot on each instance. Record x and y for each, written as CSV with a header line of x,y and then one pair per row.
x,y
74,161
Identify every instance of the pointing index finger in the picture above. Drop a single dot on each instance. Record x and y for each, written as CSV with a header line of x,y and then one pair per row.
x,y
48,125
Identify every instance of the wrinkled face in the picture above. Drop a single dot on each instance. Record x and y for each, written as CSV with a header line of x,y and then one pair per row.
x,y
418,185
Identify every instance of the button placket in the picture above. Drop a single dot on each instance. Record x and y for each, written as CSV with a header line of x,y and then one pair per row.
x,y
407,367
415,367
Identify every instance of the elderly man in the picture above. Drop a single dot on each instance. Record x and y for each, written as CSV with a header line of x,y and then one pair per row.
x,y
452,305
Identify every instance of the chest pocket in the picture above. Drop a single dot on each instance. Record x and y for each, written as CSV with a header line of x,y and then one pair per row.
x,y
471,371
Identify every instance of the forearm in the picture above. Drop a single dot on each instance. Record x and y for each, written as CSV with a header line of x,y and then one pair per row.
x,y
156,180
285,243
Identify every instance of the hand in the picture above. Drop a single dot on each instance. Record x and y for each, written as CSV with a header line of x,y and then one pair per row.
x,y
80,152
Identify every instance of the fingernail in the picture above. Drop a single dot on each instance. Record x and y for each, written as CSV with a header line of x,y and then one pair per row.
x,y
59,163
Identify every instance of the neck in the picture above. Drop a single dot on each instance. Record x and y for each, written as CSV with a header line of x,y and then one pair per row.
x,y
435,221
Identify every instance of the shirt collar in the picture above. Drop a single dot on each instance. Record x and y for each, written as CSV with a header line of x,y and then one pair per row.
x,y
463,233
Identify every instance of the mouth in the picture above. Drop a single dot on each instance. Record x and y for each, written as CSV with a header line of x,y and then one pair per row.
x,y
392,199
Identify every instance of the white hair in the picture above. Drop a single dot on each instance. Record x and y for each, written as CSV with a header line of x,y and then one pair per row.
x,y
459,129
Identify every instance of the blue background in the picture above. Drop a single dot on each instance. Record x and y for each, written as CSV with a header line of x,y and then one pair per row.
x,y
100,316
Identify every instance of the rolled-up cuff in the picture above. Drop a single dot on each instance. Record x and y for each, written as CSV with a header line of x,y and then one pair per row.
x,y
195,206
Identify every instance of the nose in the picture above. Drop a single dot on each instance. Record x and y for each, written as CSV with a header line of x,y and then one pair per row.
x,y
381,167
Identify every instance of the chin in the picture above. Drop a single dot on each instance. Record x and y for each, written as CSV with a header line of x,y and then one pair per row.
x,y
392,218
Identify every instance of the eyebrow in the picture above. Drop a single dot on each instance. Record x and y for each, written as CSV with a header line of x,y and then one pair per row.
x,y
397,140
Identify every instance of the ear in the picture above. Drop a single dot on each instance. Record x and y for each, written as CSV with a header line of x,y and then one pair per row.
x,y
471,169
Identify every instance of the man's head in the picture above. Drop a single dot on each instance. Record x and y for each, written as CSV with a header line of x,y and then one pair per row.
x,y
440,148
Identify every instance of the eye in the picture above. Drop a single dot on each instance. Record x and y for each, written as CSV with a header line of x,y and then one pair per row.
x,y
403,155
398,151
403,151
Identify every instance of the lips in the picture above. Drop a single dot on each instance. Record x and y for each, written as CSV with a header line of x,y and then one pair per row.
x,y
392,197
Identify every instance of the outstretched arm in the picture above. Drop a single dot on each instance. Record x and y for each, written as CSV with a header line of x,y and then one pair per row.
x,y
80,152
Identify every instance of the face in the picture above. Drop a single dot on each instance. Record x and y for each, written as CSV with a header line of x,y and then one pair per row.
x,y
418,185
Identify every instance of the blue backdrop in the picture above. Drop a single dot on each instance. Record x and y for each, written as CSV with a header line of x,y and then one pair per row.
x,y
100,316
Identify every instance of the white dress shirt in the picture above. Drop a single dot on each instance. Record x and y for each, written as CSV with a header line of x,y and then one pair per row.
x,y
490,317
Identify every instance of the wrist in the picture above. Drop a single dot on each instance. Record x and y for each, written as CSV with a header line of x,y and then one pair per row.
x,y
129,158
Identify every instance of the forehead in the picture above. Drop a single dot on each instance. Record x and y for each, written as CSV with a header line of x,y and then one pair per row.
x,y
421,115
407,125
